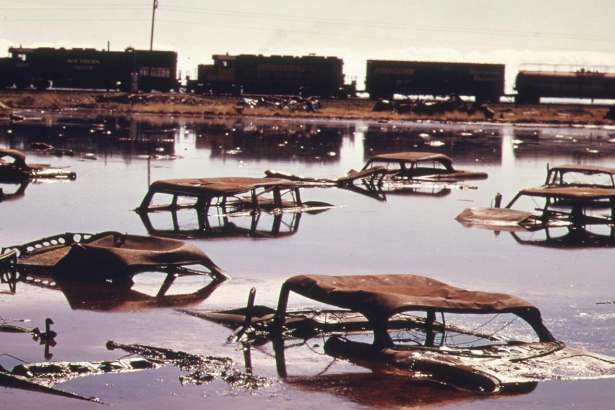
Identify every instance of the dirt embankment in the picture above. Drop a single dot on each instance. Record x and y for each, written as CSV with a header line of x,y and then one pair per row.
x,y
188,104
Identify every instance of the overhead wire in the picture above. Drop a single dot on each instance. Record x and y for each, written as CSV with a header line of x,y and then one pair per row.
x,y
278,17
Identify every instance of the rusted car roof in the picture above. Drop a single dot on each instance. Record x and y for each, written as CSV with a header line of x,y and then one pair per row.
x,y
18,156
413,156
579,193
109,253
389,294
583,168
223,186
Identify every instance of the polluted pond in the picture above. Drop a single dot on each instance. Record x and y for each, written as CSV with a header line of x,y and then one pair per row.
x,y
318,332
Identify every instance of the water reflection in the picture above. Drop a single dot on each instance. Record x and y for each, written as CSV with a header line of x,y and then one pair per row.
x,y
382,387
193,223
553,142
476,144
380,191
103,135
10,192
570,237
147,292
306,142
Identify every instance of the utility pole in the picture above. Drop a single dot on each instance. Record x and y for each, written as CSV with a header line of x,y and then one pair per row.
x,y
151,37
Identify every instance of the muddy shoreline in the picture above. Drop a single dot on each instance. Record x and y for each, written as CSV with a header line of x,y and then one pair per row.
x,y
353,109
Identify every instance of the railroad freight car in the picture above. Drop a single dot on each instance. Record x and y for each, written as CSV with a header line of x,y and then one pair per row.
x,y
483,81
531,84
6,72
86,68
257,74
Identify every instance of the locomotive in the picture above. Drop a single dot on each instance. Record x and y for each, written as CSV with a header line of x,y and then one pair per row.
x,y
88,68
258,74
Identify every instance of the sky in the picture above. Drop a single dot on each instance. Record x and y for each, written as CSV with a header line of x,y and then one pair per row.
x,y
486,31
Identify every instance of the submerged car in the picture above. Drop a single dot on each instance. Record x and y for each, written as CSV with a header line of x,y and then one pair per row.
x,y
426,166
13,168
564,205
399,173
468,358
581,175
230,194
107,256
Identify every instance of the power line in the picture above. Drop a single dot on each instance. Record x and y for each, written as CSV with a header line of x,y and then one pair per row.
x,y
333,22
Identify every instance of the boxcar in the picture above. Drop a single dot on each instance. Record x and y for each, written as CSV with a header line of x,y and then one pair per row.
x,y
6,72
483,81
533,84
85,68
257,74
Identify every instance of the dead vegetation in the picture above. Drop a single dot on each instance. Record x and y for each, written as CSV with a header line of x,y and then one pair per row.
x,y
200,105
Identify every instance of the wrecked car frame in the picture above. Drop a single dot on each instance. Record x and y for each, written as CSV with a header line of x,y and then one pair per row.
x,y
378,304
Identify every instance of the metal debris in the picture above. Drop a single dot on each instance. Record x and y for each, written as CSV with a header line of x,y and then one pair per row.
x,y
198,369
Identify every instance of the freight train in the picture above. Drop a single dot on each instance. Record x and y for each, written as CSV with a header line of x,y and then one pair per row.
x,y
483,81
532,83
258,74
142,70
87,68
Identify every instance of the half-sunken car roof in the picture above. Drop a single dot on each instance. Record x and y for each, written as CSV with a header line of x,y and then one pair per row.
x,y
576,193
18,156
583,168
108,253
222,186
412,156
390,294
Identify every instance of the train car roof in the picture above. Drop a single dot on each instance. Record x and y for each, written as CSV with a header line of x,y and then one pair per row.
x,y
434,63
566,74
276,57
128,49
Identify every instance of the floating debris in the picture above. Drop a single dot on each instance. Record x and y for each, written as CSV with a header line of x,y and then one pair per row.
x,y
89,156
42,377
199,369
291,104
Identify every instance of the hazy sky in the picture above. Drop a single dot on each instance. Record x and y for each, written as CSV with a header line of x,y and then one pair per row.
x,y
510,32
